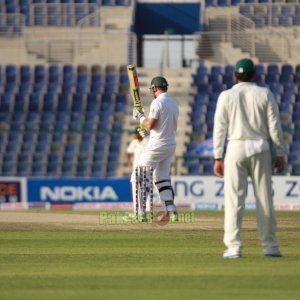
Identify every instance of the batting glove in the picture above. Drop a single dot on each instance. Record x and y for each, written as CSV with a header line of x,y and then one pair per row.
x,y
137,113
143,132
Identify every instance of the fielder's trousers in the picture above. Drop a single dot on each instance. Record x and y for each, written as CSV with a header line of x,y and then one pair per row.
x,y
237,168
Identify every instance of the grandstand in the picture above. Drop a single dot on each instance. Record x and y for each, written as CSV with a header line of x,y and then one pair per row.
x,y
64,104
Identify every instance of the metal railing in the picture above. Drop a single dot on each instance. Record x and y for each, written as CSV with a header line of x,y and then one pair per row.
x,y
11,25
229,31
63,32
62,14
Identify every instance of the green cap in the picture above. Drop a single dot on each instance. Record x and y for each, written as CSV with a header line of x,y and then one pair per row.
x,y
159,81
244,65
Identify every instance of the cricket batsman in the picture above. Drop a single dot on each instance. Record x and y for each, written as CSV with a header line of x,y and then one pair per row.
x,y
159,150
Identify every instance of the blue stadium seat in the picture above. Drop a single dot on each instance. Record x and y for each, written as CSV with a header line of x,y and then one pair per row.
x,y
21,102
39,15
273,69
210,3
297,78
97,83
6,103
201,98
121,103
37,168
63,102
82,85
11,73
61,122
290,87
285,21
8,168
245,10
296,168
82,169
260,21
108,2
34,104
23,168
81,11
204,88
110,83
17,120
271,78
287,69
78,102
229,80
276,88
223,3
49,102
285,78
218,87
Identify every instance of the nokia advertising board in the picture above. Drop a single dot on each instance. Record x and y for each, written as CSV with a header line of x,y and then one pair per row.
x,y
79,190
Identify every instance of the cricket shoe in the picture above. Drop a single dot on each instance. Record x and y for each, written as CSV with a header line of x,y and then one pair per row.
x,y
273,252
173,217
232,253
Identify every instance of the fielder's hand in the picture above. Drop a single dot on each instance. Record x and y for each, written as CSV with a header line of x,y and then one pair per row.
x,y
143,132
137,113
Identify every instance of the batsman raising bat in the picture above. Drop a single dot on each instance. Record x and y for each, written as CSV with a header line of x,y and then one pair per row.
x,y
159,150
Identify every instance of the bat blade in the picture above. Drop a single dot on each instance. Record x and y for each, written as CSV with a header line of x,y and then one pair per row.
x,y
134,85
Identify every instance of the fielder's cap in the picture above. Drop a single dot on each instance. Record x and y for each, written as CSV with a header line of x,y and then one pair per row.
x,y
244,65
134,129
159,81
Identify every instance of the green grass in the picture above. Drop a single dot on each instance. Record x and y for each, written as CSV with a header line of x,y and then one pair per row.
x,y
156,263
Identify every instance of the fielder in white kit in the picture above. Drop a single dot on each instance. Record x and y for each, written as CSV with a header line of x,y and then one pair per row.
x,y
159,150
133,154
248,115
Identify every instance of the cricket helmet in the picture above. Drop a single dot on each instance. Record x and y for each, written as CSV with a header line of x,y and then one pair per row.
x,y
135,129
159,81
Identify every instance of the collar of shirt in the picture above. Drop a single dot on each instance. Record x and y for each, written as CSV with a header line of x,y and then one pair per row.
x,y
243,83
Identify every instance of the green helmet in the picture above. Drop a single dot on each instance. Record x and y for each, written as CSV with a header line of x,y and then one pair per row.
x,y
159,81
135,129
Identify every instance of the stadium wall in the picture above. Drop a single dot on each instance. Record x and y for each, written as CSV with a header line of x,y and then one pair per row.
x,y
191,192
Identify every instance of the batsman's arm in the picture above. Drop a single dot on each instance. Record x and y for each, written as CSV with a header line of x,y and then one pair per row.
x,y
147,123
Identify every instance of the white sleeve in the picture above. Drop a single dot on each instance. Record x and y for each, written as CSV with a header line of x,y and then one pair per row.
x,y
154,110
220,126
274,124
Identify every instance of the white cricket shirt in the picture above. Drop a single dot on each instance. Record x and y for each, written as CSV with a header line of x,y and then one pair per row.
x,y
246,112
165,110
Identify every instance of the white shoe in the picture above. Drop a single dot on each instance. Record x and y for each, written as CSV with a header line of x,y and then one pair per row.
x,y
232,253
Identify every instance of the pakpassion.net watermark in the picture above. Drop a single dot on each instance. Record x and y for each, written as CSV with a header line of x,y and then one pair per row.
x,y
126,218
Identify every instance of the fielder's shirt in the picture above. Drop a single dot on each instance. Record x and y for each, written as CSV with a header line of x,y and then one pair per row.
x,y
246,112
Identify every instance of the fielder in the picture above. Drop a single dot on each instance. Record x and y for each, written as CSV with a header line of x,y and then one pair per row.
x,y
248,115
159,150
133,153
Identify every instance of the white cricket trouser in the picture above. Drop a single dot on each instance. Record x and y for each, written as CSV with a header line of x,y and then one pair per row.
x,y
237,168
160,160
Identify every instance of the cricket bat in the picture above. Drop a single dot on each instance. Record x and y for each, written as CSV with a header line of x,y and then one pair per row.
x,y
134,86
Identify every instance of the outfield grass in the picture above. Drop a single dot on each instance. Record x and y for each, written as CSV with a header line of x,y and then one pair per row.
x,y
39,262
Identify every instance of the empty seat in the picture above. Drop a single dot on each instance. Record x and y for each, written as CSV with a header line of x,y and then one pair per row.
x,y
273,69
